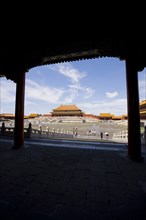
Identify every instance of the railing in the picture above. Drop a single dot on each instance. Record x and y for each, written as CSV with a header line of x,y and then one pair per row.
x,y
123,136
31,132
59,133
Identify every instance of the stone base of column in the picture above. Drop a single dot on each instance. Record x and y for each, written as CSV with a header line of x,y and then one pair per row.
x,y
15,147
136,159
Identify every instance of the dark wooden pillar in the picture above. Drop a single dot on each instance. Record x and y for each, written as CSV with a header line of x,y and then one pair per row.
x,y
134,139
19,111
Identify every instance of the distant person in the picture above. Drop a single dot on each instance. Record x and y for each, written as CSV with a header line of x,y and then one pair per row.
x,y
107,135
76,132
101,135
3,128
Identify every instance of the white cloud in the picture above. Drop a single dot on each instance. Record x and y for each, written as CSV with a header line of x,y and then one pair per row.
x,y
67,70
7,96
88,92
8,91
71,95
78,90
76,86
111,94
117,107
42,92
75,89
142,89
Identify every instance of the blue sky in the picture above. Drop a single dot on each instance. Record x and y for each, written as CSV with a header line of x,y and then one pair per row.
x,y
95,86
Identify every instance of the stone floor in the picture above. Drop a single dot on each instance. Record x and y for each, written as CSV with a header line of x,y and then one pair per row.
x,y
44,183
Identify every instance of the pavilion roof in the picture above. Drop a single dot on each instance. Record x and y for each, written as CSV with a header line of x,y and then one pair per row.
x,y
142,112
7,115
116,117
105,115
66,107
142,102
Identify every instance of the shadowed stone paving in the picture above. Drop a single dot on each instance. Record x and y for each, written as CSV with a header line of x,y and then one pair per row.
x,y
54,183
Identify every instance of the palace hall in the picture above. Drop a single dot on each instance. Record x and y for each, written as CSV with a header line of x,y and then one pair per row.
x,y
67,110
142,107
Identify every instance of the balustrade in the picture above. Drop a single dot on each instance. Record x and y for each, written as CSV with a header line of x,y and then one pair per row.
x,y
32,132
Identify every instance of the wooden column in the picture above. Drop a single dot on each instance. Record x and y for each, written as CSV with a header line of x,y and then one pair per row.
x,y
19,111
134,139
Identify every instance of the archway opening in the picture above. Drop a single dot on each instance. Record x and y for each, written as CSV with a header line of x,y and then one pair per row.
x,y
96,86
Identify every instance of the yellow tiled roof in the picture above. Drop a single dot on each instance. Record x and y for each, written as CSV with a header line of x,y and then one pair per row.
x,y
66,107
116,117
26,117
33,115
143,112
105,115
142,102
7,114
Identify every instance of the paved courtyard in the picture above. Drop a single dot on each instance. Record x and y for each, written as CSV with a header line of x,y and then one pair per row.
x,y
43,183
